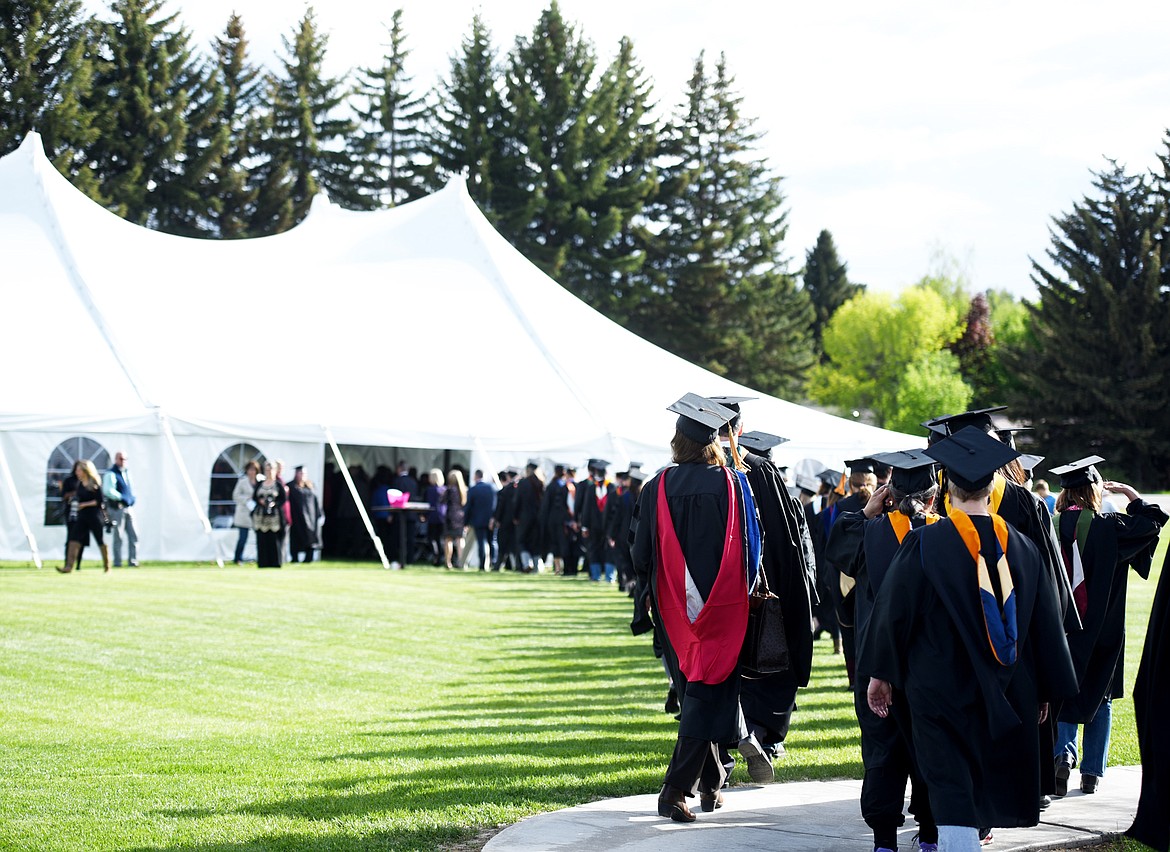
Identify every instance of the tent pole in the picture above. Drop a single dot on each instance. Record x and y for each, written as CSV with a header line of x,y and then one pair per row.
x,y
361,507
190,486
11,483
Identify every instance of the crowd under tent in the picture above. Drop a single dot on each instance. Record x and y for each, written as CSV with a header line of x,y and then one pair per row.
x,y
413,332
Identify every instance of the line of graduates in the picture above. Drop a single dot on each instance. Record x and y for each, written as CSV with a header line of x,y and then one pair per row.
x,y
985,631
704,530
570,522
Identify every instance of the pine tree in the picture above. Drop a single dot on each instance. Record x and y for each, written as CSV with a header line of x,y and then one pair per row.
x,y
467,135
826,280
1095,369
242,86
721,295
45,77
304,143
390,141
152,103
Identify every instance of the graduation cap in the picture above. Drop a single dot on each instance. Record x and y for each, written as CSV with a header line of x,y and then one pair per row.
x,y
971,457
860,465
298,467
831,478
512,470
807,483
699,418
598,464
732,403
1008,436
760,443
534,462
952,423
1030,462
1078,473
911,470
636,474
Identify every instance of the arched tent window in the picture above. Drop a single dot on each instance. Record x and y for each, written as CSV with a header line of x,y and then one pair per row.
x,y
225,473
61,465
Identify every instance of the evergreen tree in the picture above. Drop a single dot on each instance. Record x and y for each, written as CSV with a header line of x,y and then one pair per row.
x,y
569,178
467,124
719,292
305,140
390,141
153,105
45,77
826,281
1096,366
242,86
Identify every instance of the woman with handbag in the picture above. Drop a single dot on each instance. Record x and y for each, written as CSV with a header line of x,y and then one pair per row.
x,y
268,518
863,544
91,517
695,553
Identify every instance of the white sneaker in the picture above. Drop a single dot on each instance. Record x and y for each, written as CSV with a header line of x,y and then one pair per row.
x,y
395,566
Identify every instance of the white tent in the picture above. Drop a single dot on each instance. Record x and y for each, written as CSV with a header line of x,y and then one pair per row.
x,y
416,327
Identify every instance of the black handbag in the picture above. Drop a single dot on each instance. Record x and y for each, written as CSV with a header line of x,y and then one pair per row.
x,y
765,646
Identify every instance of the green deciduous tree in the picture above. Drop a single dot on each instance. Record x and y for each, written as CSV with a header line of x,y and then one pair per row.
x,y
826,280
1095,368
45,78
390,139
719,294
889,356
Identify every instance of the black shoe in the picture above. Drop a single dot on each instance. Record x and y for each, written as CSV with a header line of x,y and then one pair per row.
x,y
1089,783
1063,770
672,803
759,767
672,705
710,801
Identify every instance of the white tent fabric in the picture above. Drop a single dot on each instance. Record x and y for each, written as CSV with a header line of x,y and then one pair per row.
x,y
418,326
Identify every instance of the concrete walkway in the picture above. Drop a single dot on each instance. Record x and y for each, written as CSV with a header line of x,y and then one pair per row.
x,y
807,816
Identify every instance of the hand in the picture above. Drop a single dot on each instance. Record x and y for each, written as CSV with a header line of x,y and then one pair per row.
x,y
1120,488
1043,712
877,502
879,696
584,533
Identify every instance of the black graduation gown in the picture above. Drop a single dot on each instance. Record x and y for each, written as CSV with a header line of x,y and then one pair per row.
x,y
305,512
592,519
767,701
555,517
505,516
697,495
619,512
1114,543
976,737
529,492
1151,697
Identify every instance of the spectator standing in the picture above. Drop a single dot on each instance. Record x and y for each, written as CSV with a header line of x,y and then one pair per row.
x,y
119,496
305,513
69,508
400,544
91,517
242,495
481,506
268,518
454,502
1040,487
436,516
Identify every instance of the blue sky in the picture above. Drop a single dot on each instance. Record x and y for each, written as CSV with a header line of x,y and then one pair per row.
x,y
911,130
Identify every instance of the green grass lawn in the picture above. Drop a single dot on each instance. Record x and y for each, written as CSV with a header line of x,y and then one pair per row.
x,y
342,707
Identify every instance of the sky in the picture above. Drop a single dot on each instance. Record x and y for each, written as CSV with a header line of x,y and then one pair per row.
x,y
925,136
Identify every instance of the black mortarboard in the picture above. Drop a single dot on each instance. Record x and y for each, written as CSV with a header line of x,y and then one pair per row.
x,y
831,478
980,417
636,474
598,464
860,465
534,462
512,470
911,470
760,443
971,457
699,418
635,465
1078,473
298,467
732,403
1008,436
1030,462
807,483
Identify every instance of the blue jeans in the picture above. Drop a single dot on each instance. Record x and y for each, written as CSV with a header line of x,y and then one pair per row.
x,y
243,539
595,571
484,548
1095,748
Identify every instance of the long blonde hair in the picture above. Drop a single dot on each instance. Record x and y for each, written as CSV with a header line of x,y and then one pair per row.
x,y
87,475
455,480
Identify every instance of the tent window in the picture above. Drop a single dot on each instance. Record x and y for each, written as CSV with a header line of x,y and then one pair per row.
x,y
61,465
225,473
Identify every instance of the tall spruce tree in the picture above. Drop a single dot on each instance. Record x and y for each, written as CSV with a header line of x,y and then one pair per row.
x,y
826,280
467,124
1096,366
242,86
305,141
568,181
152,103
721,294
389,143
45,77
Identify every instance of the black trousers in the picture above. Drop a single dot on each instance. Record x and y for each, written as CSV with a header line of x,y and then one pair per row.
x,y
695,767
